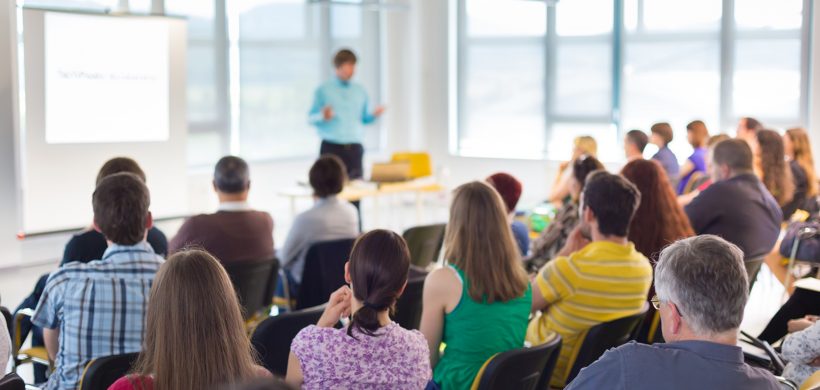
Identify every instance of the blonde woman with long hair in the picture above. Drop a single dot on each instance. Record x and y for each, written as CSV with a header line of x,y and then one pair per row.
x,y
801,159
582,146
195,337
479,303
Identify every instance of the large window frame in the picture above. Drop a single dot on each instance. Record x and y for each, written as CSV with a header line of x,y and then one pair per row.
x,y
728,35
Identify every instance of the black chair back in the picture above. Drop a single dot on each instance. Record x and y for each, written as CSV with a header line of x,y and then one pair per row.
x,y
324,271
254,283
12,382
604,336
521,369
424,243
100,373
408,307
9,322
273,336
752,269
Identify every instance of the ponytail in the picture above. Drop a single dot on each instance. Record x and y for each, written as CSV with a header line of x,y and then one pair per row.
x,y
366,319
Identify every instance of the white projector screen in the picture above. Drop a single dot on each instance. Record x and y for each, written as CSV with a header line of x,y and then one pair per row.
x,y
97,87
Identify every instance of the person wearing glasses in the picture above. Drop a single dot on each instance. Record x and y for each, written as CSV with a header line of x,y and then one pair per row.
x,y
702,289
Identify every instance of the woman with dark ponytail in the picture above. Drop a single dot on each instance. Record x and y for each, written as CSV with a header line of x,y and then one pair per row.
x,y
372,350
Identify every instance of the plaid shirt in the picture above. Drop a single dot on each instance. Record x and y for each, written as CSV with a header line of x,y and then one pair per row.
x,y
99,308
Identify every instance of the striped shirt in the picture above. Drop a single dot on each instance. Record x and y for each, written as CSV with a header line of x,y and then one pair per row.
x,y
602,282
99,308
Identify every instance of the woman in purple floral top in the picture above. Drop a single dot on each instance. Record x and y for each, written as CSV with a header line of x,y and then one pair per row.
x,y
372,351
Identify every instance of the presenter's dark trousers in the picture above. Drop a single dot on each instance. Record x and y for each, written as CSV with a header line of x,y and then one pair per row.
x,y
351,155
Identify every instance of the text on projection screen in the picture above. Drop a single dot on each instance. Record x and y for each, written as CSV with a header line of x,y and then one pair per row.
x,y
106,79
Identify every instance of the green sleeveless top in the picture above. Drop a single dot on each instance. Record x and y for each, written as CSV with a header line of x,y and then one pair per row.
x,y
475,331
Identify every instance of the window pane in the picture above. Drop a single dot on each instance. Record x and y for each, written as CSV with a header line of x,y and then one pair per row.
x,y
666,15
767,78
673,83
504,95
274,101
588,17
767,14
278,20
506,18
200,14
584,78
204,148
202,89
346,22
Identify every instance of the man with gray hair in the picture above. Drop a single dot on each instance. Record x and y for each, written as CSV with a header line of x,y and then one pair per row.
x,y
702,289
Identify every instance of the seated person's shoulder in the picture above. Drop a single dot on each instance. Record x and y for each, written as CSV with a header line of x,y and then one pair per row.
x,y
442,281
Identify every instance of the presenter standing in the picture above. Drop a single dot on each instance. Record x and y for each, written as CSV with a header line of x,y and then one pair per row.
x,y
340,110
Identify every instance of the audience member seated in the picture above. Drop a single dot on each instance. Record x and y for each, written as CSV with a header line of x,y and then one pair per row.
x,y
478,304
194,334
706,181
598,276
95,309
372,351
803,305
90,244
560,191
510,190
773,170
330,218
797,146
801,349
747,129
662,135
235,233
555,236
702,289
736,206
634,144
697,135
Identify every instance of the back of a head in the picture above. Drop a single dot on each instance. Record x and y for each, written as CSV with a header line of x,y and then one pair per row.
x,y
637,138
715,139
659,220
699,133
479,241
664,130
587,145
120,204
777,176
583,166
231,175
379,266
120,165
508,187
706,277
734,153
344,56
194,309
613,200
801,147
752,124
327,176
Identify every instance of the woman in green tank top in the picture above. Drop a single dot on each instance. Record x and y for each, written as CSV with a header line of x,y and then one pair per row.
x,y
479,304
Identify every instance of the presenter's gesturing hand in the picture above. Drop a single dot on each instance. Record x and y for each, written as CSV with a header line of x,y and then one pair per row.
x,y
378,111
337,307
327,113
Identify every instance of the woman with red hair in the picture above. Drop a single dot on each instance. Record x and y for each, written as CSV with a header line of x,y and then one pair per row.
x,y
510,190
659,220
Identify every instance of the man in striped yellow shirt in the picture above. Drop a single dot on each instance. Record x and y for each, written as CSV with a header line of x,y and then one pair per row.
x,y
597,277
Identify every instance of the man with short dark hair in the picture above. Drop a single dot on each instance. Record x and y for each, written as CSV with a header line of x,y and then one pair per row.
x,y
662,135
97,309
576,290
702,289
340,109
635,142
236,232
330,218
737,206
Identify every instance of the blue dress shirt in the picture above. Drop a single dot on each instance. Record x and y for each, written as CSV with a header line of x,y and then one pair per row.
x,y
351,111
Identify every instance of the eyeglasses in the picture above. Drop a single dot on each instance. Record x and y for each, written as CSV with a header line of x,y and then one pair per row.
x,y
656,303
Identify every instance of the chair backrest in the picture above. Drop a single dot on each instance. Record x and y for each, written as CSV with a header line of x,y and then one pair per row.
x,y
253,283
102,372
604,336
408,307
521,369
273,336
812,382
9,322
424,243
324,271
752,269
12,382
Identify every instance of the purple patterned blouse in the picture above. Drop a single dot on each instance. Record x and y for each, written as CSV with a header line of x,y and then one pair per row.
x,y
396,358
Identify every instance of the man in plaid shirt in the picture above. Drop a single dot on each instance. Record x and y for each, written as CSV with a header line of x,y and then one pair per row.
x,y
97,309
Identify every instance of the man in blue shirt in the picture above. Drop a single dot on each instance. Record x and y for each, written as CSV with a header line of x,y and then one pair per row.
x,y
340,110
702,289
